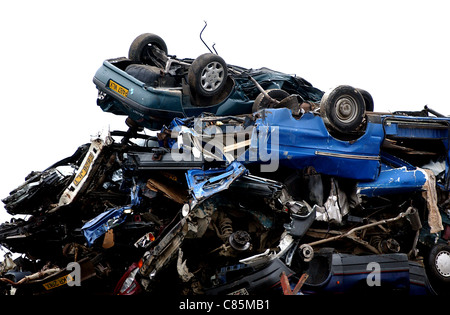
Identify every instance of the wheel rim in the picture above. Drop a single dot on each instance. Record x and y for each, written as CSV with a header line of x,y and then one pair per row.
x,y
442,263
212,76
346,109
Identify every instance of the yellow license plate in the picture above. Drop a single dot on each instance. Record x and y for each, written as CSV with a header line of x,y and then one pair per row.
x,y
58,282
84,170
116,87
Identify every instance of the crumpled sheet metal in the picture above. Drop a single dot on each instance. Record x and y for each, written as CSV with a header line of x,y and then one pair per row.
x,y
204,184
404,180
102,223
394,181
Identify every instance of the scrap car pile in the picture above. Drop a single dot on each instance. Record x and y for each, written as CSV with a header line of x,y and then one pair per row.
x,y
235,181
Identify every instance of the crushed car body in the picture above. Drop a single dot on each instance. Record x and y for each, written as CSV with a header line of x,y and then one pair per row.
x,y
152,87
249,182
215,209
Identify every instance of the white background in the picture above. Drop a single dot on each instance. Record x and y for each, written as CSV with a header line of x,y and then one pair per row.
x,y
50,50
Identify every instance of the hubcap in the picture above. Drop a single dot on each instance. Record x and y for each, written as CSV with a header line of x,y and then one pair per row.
x,y
346,109
212,76
442,263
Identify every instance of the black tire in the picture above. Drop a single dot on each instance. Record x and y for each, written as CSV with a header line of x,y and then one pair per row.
x,y
140,47
368,100
439,263
144,73
263,102
207,75
343,109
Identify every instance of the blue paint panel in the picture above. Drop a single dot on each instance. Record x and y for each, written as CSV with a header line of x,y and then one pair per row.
x,y
306,142
105,221
204,184
394,181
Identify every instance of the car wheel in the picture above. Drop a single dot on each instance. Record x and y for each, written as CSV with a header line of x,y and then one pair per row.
x,y
439,263
140,48
343,109
207,75
263,102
